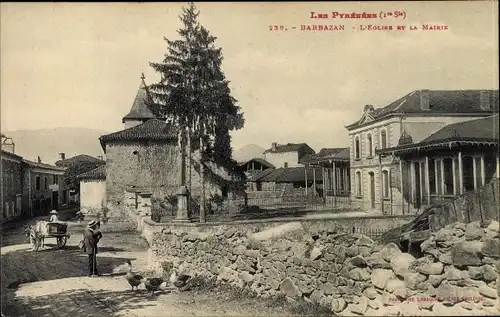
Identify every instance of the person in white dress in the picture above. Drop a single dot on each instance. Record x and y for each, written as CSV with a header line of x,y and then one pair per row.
x,y
53,217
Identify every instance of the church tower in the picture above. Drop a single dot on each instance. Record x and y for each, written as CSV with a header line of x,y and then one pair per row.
x,y
140,111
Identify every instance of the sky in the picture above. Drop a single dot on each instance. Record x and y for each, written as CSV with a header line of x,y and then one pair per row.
x,y
79,64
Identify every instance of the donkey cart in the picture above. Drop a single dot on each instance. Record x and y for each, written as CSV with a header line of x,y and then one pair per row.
x,y
44,229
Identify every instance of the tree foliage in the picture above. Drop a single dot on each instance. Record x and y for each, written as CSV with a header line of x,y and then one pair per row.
x,y
75,169
193,91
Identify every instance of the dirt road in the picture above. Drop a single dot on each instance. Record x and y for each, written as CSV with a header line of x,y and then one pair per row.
x,y
53,282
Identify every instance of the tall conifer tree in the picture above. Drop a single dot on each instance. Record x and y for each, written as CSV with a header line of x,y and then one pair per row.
x,y
193,91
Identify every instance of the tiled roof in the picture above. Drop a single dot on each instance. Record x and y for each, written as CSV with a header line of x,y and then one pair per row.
x,y
151,130
82,158
479,129
43,165
12,155
95,174
289,147
334,154
440,102
306,158
255,177
467,132
288,175
140,109
258,160
330,151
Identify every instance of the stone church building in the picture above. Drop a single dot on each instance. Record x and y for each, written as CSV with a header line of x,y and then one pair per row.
x,y
144,168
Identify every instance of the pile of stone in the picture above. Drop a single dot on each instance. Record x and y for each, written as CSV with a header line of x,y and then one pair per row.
x,y
349,273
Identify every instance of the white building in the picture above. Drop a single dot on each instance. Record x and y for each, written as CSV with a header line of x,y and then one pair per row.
x,y
93,191
287,155
415,117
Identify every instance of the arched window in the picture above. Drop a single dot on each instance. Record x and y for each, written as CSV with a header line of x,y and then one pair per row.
x,y
370,145
45,183
358,184
385,183
383,139
37,183
357,148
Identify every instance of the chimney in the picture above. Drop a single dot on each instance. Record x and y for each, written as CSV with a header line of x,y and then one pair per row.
x,y
39,159
62,156
484,100
274,144
424,99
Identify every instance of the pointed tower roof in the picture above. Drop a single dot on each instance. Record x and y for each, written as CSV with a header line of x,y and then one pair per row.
x,y
140,109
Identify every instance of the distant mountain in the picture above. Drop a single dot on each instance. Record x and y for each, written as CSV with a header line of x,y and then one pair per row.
x,y
247,152
48,143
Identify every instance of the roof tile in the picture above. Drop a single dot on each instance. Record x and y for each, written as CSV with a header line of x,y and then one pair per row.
x,y
43,165
289,147
151,130
479,129
140,109
440,102
95,174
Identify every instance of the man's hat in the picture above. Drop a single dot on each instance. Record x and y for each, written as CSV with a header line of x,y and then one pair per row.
x,y
92,223
53,212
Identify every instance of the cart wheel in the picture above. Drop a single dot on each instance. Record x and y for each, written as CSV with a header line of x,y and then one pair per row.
x,y
61,242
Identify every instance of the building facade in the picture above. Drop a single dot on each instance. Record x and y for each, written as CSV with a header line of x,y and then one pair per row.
x,y
29,188
287,155
93,191
146,166
12,186
459,158
43,188
415,116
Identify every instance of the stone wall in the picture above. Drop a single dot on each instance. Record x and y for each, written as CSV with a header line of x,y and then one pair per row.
x,y
368,225
148,165
349,273
155,168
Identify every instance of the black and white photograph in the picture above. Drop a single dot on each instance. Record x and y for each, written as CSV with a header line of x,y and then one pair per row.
x,y
249,158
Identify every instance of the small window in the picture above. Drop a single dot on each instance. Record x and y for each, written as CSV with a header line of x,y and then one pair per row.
x,y
135,152
370,145
383,139
56,179
385,181
285,164
358,184
356,149
37,183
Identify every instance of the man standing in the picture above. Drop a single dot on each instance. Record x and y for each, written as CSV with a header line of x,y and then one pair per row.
x,y
91,238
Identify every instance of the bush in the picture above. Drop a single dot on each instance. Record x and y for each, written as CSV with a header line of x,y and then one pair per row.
x,y
303,308
254,244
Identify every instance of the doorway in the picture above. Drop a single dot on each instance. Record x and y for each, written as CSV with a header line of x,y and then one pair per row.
x,y
55,200
468,173
19,205
372,189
